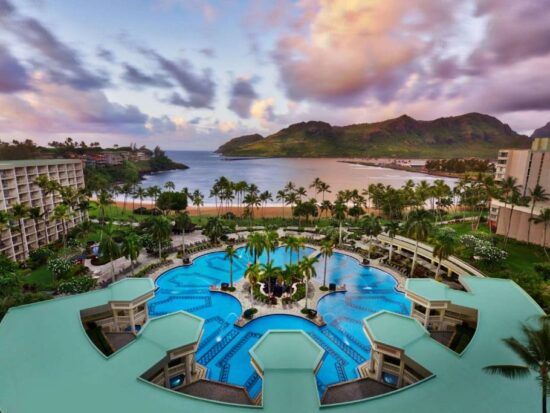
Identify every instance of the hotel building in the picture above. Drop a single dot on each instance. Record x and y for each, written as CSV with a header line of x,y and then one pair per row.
x,y
17,186
530,167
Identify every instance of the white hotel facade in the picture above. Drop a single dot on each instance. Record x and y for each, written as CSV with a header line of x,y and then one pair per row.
x,y
17,187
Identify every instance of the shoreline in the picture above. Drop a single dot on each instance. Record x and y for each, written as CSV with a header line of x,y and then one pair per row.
x,y
405,169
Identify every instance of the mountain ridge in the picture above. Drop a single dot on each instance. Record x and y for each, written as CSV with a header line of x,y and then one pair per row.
x,y
467,135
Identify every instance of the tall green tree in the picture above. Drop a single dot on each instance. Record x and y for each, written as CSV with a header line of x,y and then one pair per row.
x,y
20,213
418,226
62,213
292,244
371,227
213,229
327,249
131,248
537,194
544,219
230,254
308,271
444,244
339,210
255,245
252,275
533,351
109,248
391,228
160,230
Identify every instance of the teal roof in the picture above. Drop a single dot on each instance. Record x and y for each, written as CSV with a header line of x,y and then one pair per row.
x,y
174,330
48,364
429,289
36,162
394,329
303,353
131,288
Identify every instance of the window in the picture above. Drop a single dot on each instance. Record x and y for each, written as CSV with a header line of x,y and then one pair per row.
x,y
390,379
392,360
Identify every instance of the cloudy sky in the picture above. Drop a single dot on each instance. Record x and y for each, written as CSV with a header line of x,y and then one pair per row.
x,y
189,74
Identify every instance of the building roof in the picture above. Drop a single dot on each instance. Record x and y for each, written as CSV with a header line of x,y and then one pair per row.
x,y
49,364
131,288
36,162
394,329
174,330
304,353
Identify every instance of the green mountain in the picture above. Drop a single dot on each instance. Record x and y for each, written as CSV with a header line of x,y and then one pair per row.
x,y
469,135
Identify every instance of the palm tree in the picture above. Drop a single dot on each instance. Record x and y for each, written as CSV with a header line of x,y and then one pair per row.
x,y
181,221
126,190
269,271
444,246
61,213
170,186
339,213
4,223
418,227
198,200
308,271
537,194
109,248
104,199
213,229
300,245
281,197
20,212
372,228
533,354
544,219
391,229
327,249
140,194
230,254
131,248
271,241
48,187
255,245
252,275
35,214
325,207
291,244
160,230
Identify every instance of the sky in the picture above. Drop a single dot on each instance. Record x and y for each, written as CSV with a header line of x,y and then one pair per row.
x,y
190,74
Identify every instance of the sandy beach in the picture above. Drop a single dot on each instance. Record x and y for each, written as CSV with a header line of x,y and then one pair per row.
x,y
269,211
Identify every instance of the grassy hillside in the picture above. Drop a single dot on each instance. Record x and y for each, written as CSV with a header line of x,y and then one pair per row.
x,y
472,134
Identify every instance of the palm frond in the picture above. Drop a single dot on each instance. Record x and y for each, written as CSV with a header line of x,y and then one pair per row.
x,y
522,352
507,370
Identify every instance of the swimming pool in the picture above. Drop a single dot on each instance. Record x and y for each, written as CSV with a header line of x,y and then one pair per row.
x,y
224,347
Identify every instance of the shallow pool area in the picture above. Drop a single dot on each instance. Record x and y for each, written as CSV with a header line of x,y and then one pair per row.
x,y
224,347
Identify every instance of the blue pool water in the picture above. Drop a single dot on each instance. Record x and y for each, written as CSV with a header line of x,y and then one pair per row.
x,y
224,347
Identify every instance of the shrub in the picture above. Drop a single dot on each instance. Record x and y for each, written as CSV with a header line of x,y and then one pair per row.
x,y
39,257
77,285
144,272
249,313
483,249
59,267
7,265
300,292
543,268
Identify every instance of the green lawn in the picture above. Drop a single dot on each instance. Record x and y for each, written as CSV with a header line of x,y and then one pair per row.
x,y
521,256
114,213
41,277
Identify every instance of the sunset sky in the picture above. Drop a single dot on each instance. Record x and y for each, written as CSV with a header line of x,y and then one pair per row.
x,y
189,74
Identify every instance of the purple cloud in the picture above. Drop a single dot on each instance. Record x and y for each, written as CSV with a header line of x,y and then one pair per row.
x,y
137,78
242,95
61,62
200,88
13,75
